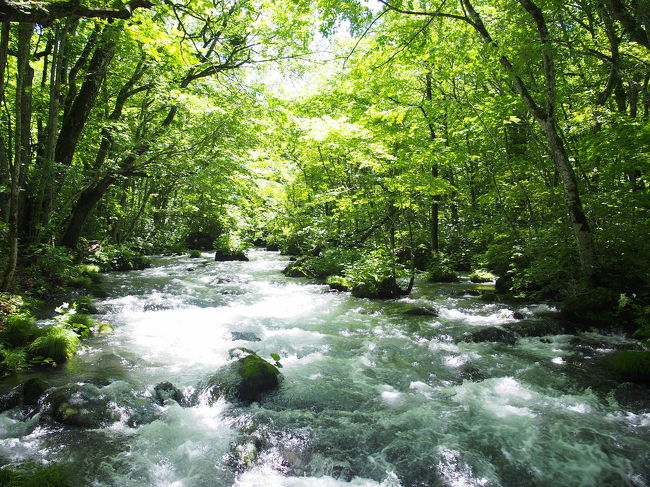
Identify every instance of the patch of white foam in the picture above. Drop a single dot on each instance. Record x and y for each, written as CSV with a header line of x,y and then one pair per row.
x,y
267,476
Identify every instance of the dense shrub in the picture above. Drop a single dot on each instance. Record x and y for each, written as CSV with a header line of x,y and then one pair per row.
x,y
19,330
374,275
331,262
118,258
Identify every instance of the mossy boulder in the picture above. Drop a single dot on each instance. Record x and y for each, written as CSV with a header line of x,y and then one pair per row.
x,y
441,273
296,269
245,380
481,275
633,365
234,255
384,289
82,405
338,283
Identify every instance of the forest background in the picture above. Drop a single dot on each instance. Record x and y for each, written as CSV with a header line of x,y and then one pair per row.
x,y
374,139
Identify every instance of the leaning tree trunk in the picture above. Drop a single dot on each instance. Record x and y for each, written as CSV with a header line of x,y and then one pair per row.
x,y
85,204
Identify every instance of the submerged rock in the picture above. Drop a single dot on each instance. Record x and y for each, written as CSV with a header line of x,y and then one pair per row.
x,y
245,335
246,380
420,311
492,334
81,405
89,406
166,391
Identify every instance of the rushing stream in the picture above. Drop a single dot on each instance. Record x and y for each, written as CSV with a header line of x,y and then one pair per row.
x,y
370,396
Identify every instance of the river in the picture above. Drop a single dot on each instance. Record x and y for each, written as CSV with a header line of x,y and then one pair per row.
x,y
370,396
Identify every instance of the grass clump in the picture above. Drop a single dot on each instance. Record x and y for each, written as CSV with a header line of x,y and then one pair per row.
x,y
56,344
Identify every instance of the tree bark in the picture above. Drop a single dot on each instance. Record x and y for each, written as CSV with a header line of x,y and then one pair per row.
x,y
21,151
76,117
44,13
5,143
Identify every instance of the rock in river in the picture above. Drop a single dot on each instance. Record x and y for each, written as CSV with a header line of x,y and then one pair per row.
x,y
246,380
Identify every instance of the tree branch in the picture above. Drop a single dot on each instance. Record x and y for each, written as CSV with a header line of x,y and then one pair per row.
x,y
44,13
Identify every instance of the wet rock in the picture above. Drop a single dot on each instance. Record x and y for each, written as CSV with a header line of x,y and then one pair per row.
x,y
472,373
420,311
535,328
470,292
230,256
272,247
518,316
492,334
26,394
245,380
245,335
32,390
11,399
81,405
166,391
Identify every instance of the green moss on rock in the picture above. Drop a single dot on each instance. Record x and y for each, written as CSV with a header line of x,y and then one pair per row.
x,y
246,379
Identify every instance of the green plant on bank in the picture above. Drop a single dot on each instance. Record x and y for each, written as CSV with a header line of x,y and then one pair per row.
x,y
194,253
24,343
56,345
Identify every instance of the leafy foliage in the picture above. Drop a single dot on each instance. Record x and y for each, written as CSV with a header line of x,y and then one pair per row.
x,y
57,344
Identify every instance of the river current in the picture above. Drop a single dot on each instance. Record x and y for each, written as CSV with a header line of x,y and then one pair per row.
x,y
370,396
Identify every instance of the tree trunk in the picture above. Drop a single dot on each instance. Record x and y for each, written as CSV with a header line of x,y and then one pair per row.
x,y
85,204
22,146
5,144
76,117
545,118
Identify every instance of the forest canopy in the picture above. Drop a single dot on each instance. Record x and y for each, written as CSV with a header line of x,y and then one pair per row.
x,y
510,136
